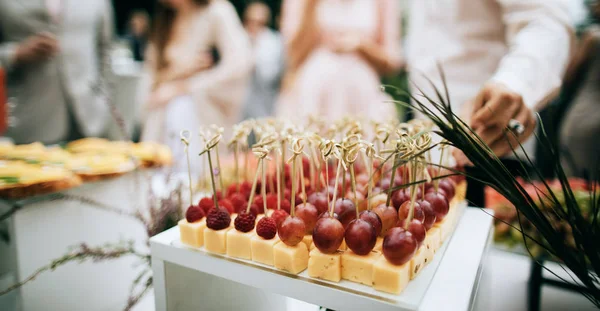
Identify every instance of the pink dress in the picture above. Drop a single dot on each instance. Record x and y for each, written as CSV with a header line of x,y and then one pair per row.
x,y
334,85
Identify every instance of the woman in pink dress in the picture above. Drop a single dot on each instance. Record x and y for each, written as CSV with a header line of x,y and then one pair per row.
x,y
337,50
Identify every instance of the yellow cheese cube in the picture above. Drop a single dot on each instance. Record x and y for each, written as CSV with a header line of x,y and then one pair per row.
x,y
307,240
432,243
390,278
358,268
325,266
215,241
293,259
238,244
379,245
262,250
417,262
342,247
192,234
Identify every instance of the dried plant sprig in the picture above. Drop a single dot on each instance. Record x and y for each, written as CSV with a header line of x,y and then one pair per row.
x,y
83,252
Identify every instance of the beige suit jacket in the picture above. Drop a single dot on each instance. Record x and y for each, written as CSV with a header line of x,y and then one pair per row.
x,y
68,88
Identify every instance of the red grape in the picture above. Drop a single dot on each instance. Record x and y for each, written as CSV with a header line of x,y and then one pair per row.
x,y
291,231
309,214
328,234
418,231
388,217
360,237
372,218
418,212
399,246
439,203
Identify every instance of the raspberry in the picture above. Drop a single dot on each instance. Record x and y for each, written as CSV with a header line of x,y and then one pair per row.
x,y
232,189
253,209
279,216
226,203
271,201
286,206
194,213
266,228
258,200
258,187
218,219
219,194
245,187
244,222
206,204
237,199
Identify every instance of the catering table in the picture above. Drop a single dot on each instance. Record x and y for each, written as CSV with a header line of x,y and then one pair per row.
x,y
190,279
43,230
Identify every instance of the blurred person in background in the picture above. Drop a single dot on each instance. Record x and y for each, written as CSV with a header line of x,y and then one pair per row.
x,y
503,60
337,50
55,53
185,86
138,33
267,51
581,127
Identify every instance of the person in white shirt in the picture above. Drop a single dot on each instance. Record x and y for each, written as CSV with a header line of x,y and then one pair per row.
x,y
503,59
267,49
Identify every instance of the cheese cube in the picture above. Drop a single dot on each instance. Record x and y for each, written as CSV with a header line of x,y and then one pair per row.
x,y
215,241
238,244
192,234
432,243
308,239
358,268
417,262
262,250
342,247
390,278
325,266
379,245
293,259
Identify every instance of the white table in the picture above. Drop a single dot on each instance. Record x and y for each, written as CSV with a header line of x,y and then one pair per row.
x,y
186,279
43,231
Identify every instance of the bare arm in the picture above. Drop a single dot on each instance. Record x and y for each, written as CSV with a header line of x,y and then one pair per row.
x,y
385,53
300,30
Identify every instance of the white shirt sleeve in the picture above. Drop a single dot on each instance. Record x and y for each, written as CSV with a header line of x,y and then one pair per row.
x,y
540,36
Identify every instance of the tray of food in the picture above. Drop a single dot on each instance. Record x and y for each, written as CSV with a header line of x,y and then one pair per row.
x,y
369,217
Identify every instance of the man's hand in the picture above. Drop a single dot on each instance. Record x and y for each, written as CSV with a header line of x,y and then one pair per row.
x,y
36,48
493,108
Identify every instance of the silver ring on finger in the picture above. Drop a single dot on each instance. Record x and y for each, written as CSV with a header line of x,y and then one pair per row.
x,y
516,127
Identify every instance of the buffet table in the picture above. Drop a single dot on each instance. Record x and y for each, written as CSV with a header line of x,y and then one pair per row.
x,y
186,278
43,230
